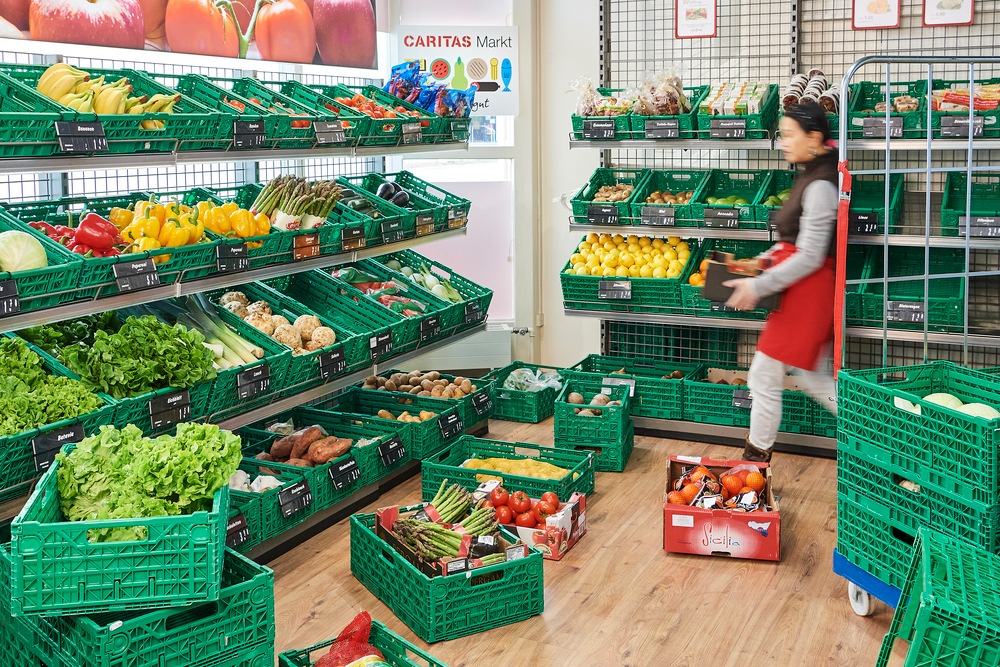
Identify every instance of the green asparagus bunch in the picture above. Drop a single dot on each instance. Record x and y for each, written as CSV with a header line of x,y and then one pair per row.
x,y
452,503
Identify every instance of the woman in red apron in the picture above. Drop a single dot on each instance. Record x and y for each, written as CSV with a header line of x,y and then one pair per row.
x,y
798,335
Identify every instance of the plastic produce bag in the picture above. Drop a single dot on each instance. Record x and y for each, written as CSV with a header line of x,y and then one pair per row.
x,y
586,104
525,379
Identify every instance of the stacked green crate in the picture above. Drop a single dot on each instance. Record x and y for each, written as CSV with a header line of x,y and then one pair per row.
x,y
603,428
522,405
656,386
731,199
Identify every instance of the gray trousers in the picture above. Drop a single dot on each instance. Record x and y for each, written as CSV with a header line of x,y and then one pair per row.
x,y
766,381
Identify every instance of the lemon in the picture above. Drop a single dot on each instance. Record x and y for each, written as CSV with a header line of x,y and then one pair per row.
x,y
683,254
576,258
634,271
622,247
659,272
634,248
645,242
593,261
608,272
570,270
592,237
646,271
596,270
632,238
611,261
579,265
583,271
673,240
622,272
670,255
583,247
594,247
675,266
683,246
610,246
672,273
660,263
641,261
603,238
617,238
626,260
657,243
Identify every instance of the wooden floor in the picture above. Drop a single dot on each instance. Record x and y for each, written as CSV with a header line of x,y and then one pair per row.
x,y
617,598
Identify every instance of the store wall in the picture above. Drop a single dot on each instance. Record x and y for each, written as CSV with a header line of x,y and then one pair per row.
x,y
568,39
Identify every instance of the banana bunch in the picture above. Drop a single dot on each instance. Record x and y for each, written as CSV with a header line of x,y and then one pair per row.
x,y
60,80
155,104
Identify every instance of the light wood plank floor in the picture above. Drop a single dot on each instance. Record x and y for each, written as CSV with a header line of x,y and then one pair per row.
x,y
617,598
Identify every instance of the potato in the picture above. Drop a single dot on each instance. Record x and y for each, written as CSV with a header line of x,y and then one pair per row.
x,y
575,398
613,403
405,388
328,449
426,385
264,456
435,375
424,393
390,386
368,386
425,415
372,379
437,391
441,383
466,386
308,437
281,449
385,414
600,399
586,413
416,390
403,417
449,392
676,375
299,463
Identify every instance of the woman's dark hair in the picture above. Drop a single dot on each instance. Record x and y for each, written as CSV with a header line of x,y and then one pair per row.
x,y
811,117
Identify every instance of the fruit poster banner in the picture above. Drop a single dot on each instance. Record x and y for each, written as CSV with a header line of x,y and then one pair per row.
x,y
948,12
875,14
459,58
339,33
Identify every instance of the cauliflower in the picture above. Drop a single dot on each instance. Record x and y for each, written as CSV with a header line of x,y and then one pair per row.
x,y
238,297
260,322
306,324
323,337
262,307
288,335
236,308
278,320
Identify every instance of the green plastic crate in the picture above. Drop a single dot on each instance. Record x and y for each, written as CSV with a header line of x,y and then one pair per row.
x,y
249,506
948,608
990,118
583,200
654,395
135,409
27,120
862,108
622,122
476,299
945,298
389,131
691,297
758,126
474,408
386,219
832,118
678,344
447,465
824,422
985,200
748,184
446,607
51,285
272,521
707,402
21,645
868,202
377,132
397,651
944,449
781,179
687,123
456,209
608,456
875,544
434,129
609,429
419,209
673,182
514,405
877,488
57,571
357,123
286,135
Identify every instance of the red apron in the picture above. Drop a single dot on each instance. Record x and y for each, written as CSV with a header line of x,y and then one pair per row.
x,y
802,327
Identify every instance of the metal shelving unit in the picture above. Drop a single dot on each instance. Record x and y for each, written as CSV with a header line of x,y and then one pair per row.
x,y
688,232
906,145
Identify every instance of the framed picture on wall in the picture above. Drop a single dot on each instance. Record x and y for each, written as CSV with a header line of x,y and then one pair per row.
x,y
875,14
695,18
948,12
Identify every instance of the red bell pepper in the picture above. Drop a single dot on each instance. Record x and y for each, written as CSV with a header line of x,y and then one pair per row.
x,y
99,221
93,232
80,248
43,227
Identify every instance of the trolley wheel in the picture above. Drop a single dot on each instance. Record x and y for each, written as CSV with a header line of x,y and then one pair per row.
x,y
861,601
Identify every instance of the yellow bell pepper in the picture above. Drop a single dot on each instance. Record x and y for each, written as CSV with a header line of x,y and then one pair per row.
x,y
149,227
150,209
230,207
189,222
243,223
173,234
263,224
197,231
145,243
121,217
204,207
217,221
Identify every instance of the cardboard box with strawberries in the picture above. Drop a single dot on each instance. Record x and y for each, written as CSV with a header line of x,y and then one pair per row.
x,y
560,531
718,514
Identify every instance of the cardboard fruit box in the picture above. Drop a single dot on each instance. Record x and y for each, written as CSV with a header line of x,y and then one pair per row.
x,y
562,530
720,532
722,267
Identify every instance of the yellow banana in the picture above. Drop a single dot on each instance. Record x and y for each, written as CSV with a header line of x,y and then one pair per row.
x,y
88,84
108,100
57,88
133,102
53,73
152,124
87,106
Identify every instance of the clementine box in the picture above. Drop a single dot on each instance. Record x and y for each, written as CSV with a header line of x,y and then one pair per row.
x,y
720,532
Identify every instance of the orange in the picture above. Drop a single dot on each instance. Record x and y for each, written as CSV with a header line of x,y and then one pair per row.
x,y
732,483
742,474
725,494
675,498
690,492
745,489
696,280
755,481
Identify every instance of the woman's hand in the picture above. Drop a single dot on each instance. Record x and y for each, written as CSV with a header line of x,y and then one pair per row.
x,y
744,296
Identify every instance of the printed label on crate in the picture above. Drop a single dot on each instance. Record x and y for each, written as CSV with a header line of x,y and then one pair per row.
x,y
450,426
380,345
329,133
295,498
743,399
345,473
728,128
256,380
332,363
412,133
659,216
430,328
169,409
392,231
391,451
44,447
608,384
10,302
874,128
237,531
666,128
981,226
305,246
862,223
248,134
425,225
472,312
230,258
728,218
77,137
602,214
615,290
905,311
515,552
598,129
134,276
482,403
723,308
353,237
958,126
456,566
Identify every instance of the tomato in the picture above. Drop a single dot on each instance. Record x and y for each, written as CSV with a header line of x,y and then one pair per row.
x,y
551,498
201,28
503,514
526,520
519,502
499,496
542,510
488,503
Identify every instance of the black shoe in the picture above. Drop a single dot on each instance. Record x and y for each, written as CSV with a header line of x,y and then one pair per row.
x,y
755,454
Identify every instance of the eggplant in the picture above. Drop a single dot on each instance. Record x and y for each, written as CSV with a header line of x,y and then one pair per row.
x,y
385,191
396,187
401,199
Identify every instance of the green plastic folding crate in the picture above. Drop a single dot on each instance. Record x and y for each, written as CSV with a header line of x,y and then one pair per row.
x,y
397,651
608,456
985,202
691,295
708,402
446,607
50,285
451,211
137,409
757,126
238,539
654,393
515,405
622,123
686,123
27,121
862,111
877,545
282,508
387,223
286,132
609,427
355,125
585,208
750,185
474,408
420,212
671,182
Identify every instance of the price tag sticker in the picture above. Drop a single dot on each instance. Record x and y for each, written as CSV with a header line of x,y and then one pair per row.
x,y
169,409
609,383
392,231
10,302
958,126
295,498
659,216
728,128
599,129
874,128
602,214
742,399
473,312
425,225
514,553
482,403
665,128
77,137
458,216
248,134
862,223
44,447
328,133
230,258
722,308
982,227
412,133
380,345
332,363
430,328
135,276
727,218
345,473
237,531
615,290
256,380
353,237
305,246
450,426
391,451
910,312
456,566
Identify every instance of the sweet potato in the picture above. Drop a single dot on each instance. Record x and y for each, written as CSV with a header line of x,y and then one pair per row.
x,y
281,449
299,463
327,449
308,437
264,456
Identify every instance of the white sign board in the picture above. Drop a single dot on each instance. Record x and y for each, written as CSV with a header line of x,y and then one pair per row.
x,y
460,57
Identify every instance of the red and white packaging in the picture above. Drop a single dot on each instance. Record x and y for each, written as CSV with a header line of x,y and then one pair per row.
x,y
561,531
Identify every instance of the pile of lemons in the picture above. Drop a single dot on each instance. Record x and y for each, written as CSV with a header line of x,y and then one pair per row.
x,y
629,257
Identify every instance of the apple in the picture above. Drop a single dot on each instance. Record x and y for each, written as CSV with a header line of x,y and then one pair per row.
x,y
345,32
8,30
16,12
97,22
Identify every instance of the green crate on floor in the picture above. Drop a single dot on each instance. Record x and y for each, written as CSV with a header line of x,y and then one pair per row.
x,y
21,643
447,465
622,122
514,405
27,119
757,126
654,395
948,609
686,123
708,402
671,182
397,651
275,516
943,122
609,457
58,571
249,506
609,428
620,212
862,110
868,202
985,202
875,544
747,184
824,422
456,209
877,488
670,343
48,286
446,607
945,297
950,451
474,408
